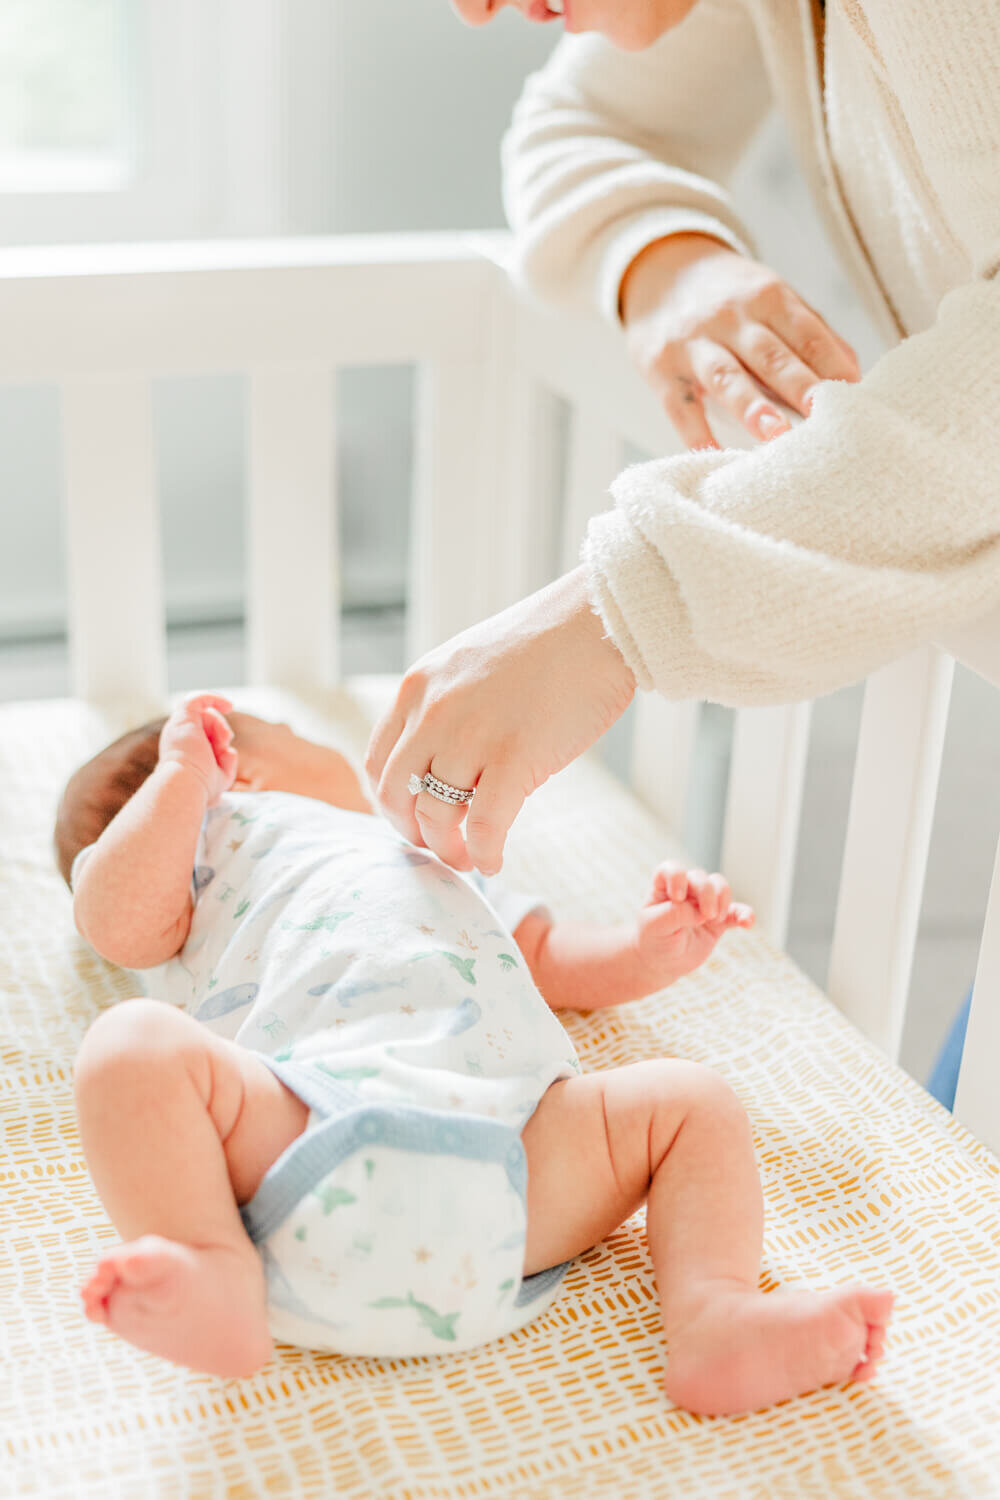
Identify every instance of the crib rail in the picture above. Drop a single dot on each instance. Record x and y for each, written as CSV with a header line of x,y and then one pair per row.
x,y
487,525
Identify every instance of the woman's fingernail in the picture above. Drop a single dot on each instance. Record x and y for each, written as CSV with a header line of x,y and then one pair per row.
x,y
810,397
768,423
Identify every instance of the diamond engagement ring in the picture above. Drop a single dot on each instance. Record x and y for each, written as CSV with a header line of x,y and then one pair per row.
x,y
439,789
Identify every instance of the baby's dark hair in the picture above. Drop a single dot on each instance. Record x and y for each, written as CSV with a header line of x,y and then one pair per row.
x,y
100,789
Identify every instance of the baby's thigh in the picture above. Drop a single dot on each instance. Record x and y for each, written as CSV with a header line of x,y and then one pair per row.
x,y
592,1146
149,1047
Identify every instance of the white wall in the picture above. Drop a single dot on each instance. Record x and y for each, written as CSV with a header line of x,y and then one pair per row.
x,y
330,117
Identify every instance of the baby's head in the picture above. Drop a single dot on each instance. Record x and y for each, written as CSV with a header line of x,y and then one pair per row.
x,y
271,757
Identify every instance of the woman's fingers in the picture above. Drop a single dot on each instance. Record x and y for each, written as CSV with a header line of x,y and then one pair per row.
x,y
723,377
703,320
441,830
389,786
682,401
746,372
500,708
777,367
385,734
441,822
498,800
805,332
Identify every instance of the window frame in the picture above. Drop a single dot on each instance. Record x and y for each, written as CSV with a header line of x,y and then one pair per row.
x,y
210,147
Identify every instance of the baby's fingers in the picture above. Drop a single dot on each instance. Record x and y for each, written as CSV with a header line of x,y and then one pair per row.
x,y
228,763
711,893
198,703
670,883
218,732
738,915
669,916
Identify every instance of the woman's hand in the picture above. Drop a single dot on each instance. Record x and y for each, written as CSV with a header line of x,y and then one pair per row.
x,y
198,736
702,320
501,708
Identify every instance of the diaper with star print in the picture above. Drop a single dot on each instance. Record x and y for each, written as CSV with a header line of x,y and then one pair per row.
x,y
387,991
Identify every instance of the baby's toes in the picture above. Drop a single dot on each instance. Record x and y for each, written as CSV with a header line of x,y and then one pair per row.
x,y
98,1288
875,1306
146,1262
866,1370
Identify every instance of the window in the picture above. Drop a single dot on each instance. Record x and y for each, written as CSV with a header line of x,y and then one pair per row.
x,y
66,111
139,119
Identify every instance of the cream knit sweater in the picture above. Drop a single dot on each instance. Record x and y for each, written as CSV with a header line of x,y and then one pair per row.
x,y
755,577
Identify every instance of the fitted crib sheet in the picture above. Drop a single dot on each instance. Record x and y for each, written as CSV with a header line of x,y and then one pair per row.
x,y
864,1178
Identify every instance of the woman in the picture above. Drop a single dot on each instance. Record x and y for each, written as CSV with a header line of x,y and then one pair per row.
x,y
802,565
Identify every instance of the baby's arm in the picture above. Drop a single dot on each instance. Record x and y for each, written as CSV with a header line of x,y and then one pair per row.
x,y
578,966
132,898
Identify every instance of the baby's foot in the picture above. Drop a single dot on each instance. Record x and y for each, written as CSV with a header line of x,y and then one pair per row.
x,y
745,1349
204,1308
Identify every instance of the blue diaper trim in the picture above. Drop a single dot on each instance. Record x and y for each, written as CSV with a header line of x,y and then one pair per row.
x,y
541,1282
324,1094
348,1124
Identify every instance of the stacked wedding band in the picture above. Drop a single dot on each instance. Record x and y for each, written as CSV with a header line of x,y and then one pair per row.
x,y
439,789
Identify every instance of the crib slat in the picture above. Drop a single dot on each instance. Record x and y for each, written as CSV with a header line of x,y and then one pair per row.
x,y
901,739
766,777
116,618
976,1097
530,484
450,523
293,599
662,751
594,461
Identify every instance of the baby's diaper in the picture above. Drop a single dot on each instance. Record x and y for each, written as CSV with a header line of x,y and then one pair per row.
x,y
391,1229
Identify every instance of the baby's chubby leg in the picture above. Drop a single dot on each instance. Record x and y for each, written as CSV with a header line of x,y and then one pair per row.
x,y
178,1127
674,1133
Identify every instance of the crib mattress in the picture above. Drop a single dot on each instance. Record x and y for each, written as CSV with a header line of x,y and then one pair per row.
x,y
864,1178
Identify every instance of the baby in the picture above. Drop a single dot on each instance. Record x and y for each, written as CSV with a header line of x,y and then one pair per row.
x,y
359,1127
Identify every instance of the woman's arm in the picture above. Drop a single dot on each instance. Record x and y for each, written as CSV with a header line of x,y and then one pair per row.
x,y
875,526
762,577
610,151
610,168
742,578
132,898
792,570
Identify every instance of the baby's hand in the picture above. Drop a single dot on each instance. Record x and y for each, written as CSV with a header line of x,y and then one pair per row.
x,y
683,918
197,736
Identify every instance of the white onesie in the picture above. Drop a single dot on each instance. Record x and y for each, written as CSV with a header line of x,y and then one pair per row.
x,y
385,990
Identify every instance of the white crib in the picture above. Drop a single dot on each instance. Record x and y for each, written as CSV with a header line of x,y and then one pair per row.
x,y
489,523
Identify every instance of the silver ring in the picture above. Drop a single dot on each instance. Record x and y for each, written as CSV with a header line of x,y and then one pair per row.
x,y
455,795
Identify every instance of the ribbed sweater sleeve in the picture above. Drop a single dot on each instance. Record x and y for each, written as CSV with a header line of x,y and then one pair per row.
x,y
609,151
875,525
791,570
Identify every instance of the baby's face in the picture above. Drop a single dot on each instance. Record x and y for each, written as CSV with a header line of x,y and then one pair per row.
x,y
273,758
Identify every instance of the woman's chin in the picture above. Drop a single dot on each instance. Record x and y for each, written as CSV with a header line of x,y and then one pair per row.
x,y
642,23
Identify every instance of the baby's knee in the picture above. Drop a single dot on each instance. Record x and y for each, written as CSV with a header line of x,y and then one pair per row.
x,y
134,1035
674,1080
680,1092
